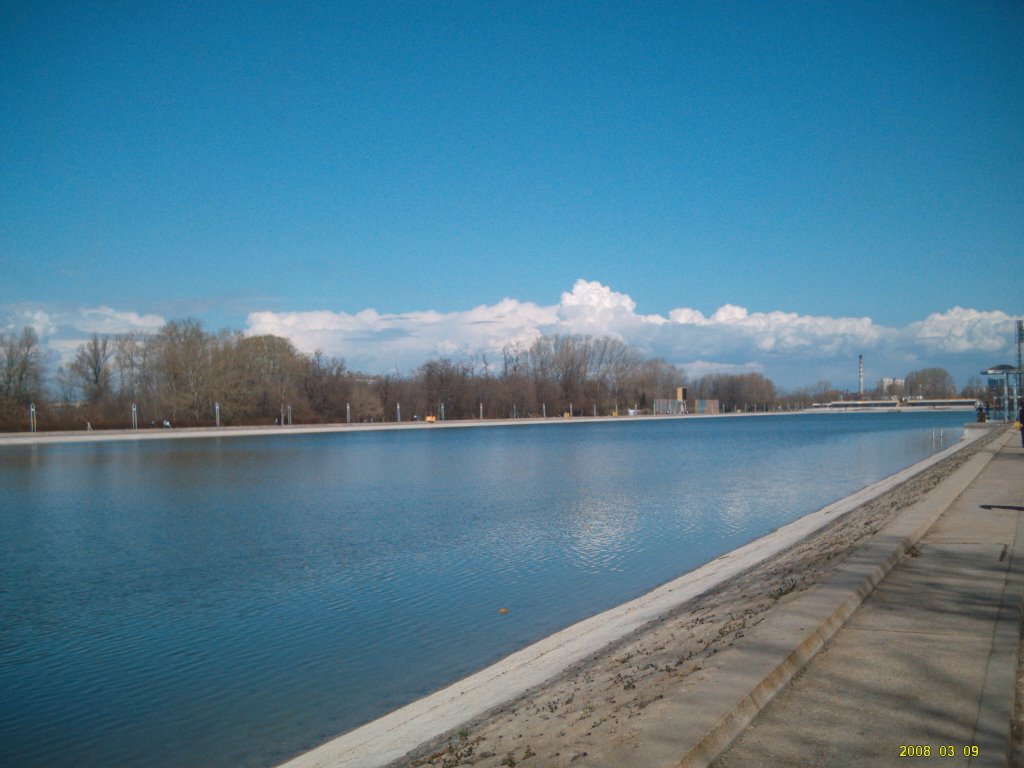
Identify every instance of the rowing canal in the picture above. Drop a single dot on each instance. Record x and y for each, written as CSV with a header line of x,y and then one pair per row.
x,y
235,601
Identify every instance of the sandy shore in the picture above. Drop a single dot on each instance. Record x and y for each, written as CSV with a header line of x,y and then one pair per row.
x,y
598,703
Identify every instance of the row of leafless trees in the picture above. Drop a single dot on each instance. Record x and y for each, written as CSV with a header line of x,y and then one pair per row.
x,y
552,376
186,375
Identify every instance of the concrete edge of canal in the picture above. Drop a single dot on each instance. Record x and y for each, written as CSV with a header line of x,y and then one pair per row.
x,y
820,615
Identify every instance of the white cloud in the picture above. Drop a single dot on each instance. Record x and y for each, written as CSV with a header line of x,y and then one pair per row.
x,y
781,332
107,320
38,320
596,309
63,330
80,320
377,342
791,348
962,330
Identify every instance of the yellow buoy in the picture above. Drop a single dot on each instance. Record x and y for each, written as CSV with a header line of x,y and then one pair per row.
x,y
503,610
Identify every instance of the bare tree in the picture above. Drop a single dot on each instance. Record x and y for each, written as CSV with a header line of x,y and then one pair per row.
x,y
21,376
131,353
745,391
325,386
21,367
650,380
91,370
930,382
975,388
182,367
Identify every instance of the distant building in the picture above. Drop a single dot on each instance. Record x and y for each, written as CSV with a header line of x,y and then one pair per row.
x,y
998,392
889,386
896,404
681,405
703,407
664,407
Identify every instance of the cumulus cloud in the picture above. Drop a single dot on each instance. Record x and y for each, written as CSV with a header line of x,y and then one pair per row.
x,y
596,309
791,347
962,330
782,332
376,342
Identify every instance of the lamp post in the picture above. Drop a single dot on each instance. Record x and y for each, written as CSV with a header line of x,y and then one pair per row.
x,y
1020,357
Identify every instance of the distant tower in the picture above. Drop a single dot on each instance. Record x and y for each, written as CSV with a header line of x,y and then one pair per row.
x,y
860,375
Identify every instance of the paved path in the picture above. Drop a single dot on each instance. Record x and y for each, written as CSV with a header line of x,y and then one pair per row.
x,y
928,660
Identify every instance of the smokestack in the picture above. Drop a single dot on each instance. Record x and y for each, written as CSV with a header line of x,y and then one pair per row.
x,y
860,375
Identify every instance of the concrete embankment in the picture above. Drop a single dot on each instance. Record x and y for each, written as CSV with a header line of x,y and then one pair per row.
x,y
924,671
536,678
88,436
922,650
38,438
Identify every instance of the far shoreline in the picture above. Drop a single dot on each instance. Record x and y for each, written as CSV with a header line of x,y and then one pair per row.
x,y
158,433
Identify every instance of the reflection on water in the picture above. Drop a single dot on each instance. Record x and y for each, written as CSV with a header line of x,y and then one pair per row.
x,y
231,602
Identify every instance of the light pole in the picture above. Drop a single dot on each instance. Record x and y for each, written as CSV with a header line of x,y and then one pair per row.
x,y
1020,361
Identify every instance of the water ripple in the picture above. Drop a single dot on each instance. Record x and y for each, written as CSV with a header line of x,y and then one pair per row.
x,y
230,603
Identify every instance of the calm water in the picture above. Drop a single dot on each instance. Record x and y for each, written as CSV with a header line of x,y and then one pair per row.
x,y
235,601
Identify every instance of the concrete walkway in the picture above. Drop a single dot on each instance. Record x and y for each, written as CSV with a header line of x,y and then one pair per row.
x,y
928,660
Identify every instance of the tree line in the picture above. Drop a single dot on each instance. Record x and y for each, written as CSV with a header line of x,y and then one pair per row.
x,y
188,376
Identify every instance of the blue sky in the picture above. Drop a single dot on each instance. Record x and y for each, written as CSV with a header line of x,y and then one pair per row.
x,y
850,176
